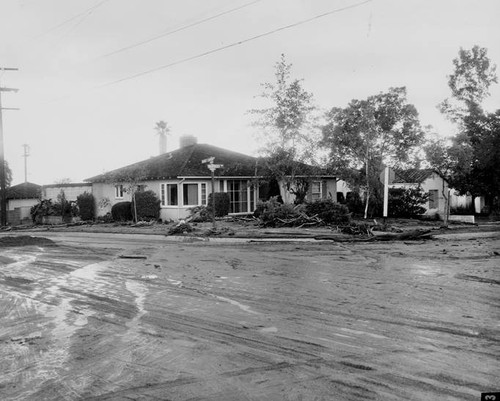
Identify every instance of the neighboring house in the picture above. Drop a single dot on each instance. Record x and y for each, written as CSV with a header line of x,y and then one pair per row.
x,y
429,180
71,191
181,179
20,199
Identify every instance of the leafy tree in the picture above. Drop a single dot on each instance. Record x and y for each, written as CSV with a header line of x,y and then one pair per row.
x,y
407,202
473,154
382,129
8,174
287,130
469,83
483,165
294,176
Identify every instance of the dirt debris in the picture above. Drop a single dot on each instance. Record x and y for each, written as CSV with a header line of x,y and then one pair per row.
x,y
25,240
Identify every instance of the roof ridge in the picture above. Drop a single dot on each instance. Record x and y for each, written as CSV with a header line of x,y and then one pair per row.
x,y
183,166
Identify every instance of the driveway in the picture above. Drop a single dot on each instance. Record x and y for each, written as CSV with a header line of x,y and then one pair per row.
x,y
110,317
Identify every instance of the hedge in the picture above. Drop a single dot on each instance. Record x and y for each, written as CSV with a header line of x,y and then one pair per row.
x,y
122,211
86,206
222,204
148,205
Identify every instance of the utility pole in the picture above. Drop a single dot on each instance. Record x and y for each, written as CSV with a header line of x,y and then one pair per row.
x,y
25,155
3,200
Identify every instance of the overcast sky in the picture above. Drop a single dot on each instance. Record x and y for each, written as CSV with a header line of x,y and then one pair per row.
x,y
93,82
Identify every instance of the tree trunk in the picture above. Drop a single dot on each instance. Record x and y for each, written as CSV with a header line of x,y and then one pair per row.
x,y
446,197
135,207
367,200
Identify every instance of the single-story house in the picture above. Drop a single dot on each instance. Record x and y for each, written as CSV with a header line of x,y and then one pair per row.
x,y
20,199
182,180
429,180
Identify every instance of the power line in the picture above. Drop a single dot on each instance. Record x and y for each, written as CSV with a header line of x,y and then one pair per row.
x,y
218,49
83,13
182,28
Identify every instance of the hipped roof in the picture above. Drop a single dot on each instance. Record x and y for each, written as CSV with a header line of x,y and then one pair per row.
x,y
413,176
26,190
186,162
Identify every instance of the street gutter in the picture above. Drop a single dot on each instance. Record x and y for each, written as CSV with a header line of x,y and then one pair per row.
x,y
147,237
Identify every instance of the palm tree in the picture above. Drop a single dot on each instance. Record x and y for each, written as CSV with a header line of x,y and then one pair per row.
x,y
162,129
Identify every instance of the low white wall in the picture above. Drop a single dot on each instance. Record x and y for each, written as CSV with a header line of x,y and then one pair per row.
x,y
462,218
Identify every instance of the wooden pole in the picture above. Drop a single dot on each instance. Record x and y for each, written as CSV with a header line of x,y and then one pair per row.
x,y
386,192
3,200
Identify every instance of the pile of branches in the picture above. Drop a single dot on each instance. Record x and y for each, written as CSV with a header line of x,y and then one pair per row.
x,y
181,228
300,220
323,212
356,229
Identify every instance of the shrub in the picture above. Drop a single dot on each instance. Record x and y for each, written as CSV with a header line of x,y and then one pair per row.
x,y
86,206
148,205
122,211
200,214
43,208
46,207
65,208
407,202
107,218
329,211
354,203
222,204
272,210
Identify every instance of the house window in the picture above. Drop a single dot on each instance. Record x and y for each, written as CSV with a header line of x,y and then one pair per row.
x,y
315,190
119,191
433,199
241,196
169,195
141,188
203,194
190,194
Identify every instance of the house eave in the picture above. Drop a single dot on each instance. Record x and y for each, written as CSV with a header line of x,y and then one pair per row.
x,y
230,177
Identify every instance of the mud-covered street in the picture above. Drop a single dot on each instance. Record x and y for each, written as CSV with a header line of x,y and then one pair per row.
x,y
118,318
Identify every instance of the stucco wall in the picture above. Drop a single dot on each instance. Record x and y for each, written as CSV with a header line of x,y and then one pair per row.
x,y
71,191
107,191
23,206
21,203
331,189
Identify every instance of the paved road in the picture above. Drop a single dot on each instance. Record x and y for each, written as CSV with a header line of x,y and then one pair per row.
x,y
107,317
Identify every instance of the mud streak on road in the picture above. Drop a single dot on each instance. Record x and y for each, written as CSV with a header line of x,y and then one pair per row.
x,y
262,321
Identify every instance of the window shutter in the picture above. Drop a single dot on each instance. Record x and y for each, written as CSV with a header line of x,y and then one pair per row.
x,y
324,194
